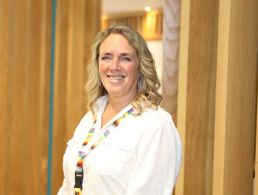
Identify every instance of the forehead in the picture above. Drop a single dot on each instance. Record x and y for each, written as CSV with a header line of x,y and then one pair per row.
x,y
116,42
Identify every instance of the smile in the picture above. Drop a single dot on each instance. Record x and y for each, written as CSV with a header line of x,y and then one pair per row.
x,y
115,79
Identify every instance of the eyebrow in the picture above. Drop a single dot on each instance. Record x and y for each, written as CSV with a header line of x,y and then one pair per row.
x,y
109,54
122,54
126,54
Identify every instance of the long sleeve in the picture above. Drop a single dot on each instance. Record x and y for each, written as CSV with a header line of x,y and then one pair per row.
x,y
158,161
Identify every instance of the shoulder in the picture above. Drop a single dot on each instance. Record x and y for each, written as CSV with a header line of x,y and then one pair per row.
x,y
158,115
153,120
158,124
84,124
86,119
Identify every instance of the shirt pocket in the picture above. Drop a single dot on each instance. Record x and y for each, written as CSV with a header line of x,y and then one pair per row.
x,y
109,159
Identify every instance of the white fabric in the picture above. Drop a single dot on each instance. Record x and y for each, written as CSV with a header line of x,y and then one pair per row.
x,y
141,156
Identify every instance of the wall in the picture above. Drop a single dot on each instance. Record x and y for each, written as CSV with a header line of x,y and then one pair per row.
x,y
25,28
217,96
25,49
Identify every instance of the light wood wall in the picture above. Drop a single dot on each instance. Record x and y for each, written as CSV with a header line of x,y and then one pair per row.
x,y
25,50
77,24
217,96
148,24
196,94
24,83
236,97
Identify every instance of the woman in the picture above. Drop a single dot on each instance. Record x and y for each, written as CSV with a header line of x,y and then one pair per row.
x,y
126,144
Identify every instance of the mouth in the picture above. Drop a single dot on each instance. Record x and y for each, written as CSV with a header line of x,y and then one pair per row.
x,y
115,78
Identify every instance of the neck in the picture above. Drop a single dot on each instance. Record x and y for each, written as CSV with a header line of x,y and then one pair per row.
x,y
118,103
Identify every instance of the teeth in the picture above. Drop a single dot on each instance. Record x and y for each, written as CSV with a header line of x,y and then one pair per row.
x,y
115,78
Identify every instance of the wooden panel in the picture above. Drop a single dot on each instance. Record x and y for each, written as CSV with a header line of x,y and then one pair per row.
x,y
32,76
22,108
36,86
44,86
25,28
77,23
197,91
241,100
236,98
16,94
221,96
4,37
60,91
148,24
182,87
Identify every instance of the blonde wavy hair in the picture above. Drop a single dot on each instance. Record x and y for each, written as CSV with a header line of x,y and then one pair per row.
x,y
148,82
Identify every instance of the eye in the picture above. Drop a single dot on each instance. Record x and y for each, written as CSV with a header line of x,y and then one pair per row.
x,y
126,59
104,58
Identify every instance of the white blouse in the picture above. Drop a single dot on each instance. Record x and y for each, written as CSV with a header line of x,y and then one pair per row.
x,y
141,156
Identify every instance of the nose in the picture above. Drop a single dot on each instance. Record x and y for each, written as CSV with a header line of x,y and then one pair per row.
x,y
115,64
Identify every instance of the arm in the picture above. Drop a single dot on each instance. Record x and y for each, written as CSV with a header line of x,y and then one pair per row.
x,y
158,161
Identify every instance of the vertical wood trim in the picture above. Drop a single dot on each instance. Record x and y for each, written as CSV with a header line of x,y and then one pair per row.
x,y
75,66
221,97
236,98
60,92
17,95
44,83
182,86
4,78
77,23
199,68
32,82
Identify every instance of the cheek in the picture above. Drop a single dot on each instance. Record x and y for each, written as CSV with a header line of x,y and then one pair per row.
x,y
133,70
101,72
101,69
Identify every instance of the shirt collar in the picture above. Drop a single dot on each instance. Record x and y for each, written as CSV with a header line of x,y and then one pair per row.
x,y
101,103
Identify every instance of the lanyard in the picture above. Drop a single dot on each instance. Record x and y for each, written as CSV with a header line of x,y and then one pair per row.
x,y
82,154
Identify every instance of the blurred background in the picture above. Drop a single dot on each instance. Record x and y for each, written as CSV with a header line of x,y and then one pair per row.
x,y
206,53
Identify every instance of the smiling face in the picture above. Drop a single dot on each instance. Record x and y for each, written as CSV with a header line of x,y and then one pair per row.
x,y
118,67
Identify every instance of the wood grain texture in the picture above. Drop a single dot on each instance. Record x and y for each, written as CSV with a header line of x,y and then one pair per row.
x,y
182,86
241,102
236,98
77,23
198,62
25,50
4,71
231,66
148,24
22,108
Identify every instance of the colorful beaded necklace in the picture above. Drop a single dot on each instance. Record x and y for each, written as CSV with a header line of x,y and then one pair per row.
x,y
82,154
